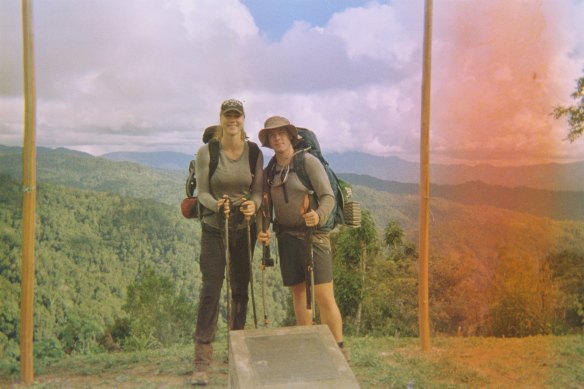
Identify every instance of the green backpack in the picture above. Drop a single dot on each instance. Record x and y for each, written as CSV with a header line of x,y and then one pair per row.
x,y
345,212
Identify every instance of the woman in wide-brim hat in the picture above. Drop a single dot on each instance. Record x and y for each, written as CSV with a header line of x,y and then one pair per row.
x,y
287,194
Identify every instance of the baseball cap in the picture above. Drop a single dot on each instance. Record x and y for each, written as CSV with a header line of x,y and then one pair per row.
x,y
232,105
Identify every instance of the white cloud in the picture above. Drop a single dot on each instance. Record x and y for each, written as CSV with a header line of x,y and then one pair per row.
x,y
150,75
379,31
205,19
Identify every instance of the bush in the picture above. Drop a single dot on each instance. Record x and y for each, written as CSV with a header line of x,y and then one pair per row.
x,y
80,334
48,348
157,314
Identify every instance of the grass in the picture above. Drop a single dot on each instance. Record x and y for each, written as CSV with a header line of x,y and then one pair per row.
x,y
452,362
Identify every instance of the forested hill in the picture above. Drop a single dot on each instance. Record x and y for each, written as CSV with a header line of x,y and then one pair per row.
x,y
84,171
558,205
81,170
89,248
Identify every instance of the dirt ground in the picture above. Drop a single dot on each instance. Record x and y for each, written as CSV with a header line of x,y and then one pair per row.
x,y
533,362
141,376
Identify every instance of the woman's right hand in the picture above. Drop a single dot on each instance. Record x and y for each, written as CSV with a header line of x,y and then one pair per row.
x,y
224,202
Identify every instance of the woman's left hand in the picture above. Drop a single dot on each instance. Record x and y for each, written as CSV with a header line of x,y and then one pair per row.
x,y
248,208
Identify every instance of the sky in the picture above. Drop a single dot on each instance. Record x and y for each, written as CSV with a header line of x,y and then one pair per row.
x,y
150,75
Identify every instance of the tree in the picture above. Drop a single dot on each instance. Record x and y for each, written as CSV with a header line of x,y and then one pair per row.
x,y
354,247
574,113
391,306
457,288
523,296
377,293
393,234
567,267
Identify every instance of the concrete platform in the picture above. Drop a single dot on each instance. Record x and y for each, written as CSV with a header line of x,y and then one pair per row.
x,y
285,358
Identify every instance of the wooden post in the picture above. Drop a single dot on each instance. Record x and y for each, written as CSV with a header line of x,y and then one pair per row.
x,y
29,199
423,305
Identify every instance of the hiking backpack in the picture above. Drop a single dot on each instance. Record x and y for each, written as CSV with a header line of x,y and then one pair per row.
x,y
190,206
345,212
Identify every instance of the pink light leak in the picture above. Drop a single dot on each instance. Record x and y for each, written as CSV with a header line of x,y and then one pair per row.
x,y
492,95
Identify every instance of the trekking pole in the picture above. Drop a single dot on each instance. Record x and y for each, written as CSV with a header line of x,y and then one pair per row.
x,y
310,263
227,264
263,270
267,260
248,221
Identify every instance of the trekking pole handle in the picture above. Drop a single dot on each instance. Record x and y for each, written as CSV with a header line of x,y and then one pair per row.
x,y
244,208
224,204
305,210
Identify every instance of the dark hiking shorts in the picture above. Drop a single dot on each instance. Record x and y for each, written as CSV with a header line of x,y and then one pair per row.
x,y
294,256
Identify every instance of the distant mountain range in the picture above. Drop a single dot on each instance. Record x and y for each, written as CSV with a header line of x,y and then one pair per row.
x,y
554,190
555,176
82,170
159,160
559,205
563,177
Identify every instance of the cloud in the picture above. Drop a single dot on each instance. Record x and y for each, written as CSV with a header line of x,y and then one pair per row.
x,y
150,75
367,31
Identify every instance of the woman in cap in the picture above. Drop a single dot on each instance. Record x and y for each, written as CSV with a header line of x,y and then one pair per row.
x,y
291,220
233,192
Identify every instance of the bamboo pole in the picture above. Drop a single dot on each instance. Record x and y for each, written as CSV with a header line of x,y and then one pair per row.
x,y
423,305
29,199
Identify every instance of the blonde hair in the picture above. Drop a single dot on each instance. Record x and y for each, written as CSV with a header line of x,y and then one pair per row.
x,y
219,133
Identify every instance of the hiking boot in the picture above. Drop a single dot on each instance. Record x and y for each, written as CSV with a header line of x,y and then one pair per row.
x,y
199,378
202,360
203,354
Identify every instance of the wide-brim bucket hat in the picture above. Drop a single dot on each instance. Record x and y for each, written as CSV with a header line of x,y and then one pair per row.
x,y
275,123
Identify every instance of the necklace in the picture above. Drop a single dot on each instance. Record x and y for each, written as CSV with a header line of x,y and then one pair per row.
x,y
283,160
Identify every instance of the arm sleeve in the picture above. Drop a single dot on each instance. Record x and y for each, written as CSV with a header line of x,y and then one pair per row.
x,y
322,187
257,186
202,174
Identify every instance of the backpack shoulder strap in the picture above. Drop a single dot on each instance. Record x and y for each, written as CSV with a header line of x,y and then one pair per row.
x,y
254,152
270,171
300,169
191,183
213,156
